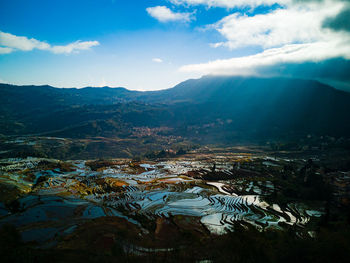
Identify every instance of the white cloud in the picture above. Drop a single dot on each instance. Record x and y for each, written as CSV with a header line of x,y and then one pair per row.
x,y
230,3
294,34
21,43
10,43
164,14
74,47
295,24
157,60
5,50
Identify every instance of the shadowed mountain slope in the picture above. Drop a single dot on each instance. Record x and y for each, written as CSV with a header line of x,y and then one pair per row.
x,y
219,106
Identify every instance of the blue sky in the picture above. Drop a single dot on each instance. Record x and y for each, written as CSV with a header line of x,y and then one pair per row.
x,y
149,45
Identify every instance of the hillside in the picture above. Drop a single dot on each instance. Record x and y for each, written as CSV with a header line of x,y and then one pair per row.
x,y
209,108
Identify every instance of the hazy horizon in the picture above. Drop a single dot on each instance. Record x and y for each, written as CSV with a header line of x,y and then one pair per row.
x,y
339,86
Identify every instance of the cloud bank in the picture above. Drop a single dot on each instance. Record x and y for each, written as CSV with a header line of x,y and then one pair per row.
x,y
10,43
293,53
295,33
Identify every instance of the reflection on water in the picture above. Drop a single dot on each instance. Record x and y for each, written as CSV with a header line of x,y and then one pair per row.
x,y
64,199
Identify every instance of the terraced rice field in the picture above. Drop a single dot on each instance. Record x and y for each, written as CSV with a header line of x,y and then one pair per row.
x,y
53,202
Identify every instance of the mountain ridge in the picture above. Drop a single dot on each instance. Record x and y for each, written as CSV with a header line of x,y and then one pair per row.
x,y
219,106
167,90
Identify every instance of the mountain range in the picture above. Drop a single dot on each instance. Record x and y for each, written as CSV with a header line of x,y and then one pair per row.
x,y
211,109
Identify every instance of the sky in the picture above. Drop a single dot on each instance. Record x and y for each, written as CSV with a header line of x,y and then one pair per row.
x,y
152,45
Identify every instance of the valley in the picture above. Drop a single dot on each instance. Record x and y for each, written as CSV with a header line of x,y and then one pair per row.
x,y
165,202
